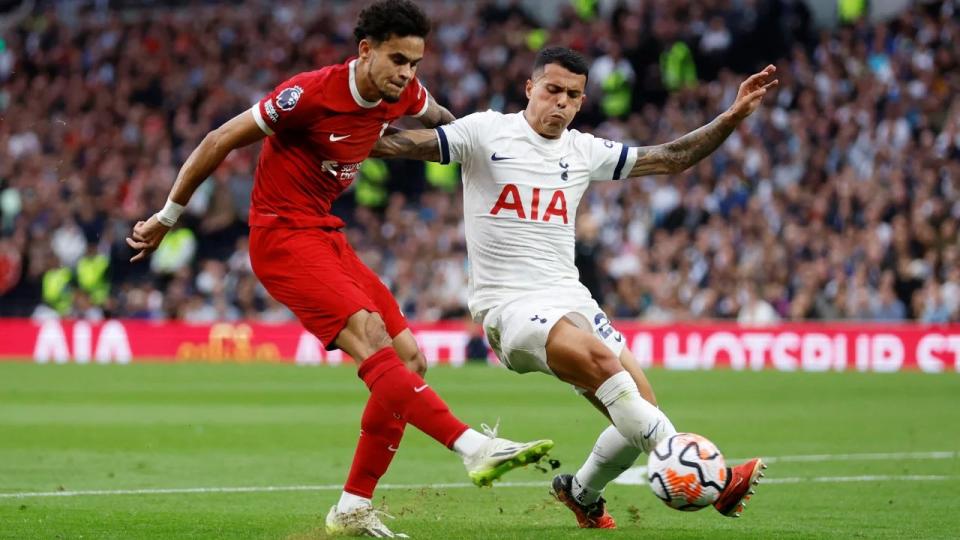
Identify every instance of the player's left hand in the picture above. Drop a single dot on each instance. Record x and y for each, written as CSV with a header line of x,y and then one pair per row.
x,y
146,237
752,91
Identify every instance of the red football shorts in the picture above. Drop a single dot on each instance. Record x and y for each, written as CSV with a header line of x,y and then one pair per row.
x,y
316,274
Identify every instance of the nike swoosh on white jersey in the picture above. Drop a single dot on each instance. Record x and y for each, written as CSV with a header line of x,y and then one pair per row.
x,y
419,389
335,138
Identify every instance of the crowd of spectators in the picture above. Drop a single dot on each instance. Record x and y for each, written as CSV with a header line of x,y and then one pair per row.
x,y
838,199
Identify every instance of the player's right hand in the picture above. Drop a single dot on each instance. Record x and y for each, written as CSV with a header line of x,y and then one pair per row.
x,y
146,237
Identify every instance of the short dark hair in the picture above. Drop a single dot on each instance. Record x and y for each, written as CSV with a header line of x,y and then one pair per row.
x,y
570,59
400,18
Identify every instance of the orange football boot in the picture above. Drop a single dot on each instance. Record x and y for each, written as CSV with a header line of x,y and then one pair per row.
x,y
739,489
590,516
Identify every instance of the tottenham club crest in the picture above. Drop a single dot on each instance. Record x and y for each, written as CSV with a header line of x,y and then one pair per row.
x,y
288,97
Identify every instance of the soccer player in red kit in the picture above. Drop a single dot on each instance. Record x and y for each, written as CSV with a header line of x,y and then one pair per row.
x,y
319,126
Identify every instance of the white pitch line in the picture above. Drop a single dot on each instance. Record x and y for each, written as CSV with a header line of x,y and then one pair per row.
x,y
858,457
452,485
634,476
250,489
637,475
169,491
865,478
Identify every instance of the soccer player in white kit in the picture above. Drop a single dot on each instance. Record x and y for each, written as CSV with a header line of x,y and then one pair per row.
x,y
523,177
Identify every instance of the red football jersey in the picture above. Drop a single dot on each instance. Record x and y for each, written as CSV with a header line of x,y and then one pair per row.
x,y
319,130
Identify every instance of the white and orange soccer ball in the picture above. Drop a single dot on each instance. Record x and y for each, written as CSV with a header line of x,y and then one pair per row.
x,y
687,472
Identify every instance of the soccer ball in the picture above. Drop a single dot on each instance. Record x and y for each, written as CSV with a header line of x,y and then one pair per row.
x,y
687,472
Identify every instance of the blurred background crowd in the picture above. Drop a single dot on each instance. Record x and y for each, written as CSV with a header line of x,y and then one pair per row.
x,y
839,199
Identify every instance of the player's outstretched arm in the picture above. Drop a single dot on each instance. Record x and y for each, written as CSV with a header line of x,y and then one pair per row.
x,y
678,155
419,144
237,132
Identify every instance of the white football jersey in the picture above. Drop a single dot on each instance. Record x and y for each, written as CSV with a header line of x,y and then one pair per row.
x,y
521,193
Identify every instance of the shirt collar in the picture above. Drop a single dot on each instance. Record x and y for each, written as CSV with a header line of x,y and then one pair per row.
x,y
355,92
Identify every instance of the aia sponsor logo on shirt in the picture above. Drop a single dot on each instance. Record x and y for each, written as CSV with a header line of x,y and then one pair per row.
x,y
288,97
510,201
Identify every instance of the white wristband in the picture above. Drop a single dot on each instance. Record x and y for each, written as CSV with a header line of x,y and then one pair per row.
x,y
170,213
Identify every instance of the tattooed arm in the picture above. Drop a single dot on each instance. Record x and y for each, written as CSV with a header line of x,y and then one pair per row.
x,y
678,155
419,144
435,115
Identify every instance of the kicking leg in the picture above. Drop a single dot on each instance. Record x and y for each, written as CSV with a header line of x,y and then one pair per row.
x,y
611,455
577,357
397,392
404,393
391,384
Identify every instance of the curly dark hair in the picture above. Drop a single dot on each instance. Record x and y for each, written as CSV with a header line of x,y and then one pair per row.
x,y
401,18
568,58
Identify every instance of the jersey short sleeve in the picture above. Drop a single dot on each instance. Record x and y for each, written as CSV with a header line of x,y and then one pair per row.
x,y
608,160
292,104
420,100
459,137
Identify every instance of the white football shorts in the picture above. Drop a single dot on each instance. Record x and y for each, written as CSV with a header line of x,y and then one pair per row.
x,y
517,329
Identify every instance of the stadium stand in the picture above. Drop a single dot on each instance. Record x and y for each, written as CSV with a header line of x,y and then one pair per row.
x,y
840,199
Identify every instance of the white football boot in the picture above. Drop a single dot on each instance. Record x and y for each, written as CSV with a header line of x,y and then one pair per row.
x,y
498,456
362,521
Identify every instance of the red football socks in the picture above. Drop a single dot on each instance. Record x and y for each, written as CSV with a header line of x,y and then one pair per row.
x,y
380,434
403,392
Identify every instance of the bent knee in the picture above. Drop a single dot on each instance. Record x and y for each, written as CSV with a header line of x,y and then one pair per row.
x,y
417,363
603,363
375,332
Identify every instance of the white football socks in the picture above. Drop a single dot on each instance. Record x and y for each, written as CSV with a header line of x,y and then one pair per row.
x,y
469,443
350,502
611,455
635,418
637,427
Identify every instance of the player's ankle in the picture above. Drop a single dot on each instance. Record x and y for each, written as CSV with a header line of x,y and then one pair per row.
x,y
350,502
582,493
469,443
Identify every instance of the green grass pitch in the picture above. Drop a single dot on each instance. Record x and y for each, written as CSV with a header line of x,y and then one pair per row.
x,y
149,427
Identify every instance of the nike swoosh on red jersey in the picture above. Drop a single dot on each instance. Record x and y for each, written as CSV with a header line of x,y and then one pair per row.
x,y
336,138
